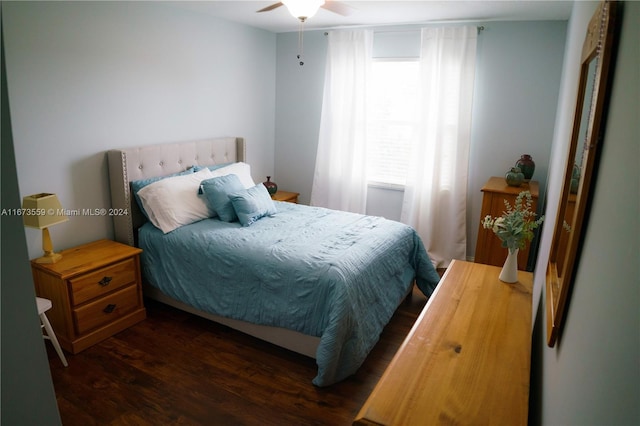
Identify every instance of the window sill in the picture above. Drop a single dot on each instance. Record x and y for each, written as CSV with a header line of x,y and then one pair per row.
x,y
384,185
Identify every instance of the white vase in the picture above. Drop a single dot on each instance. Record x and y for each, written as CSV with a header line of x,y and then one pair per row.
x,y
509,273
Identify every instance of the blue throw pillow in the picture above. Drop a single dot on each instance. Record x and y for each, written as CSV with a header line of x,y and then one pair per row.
x,y
217,190
252,204
137,185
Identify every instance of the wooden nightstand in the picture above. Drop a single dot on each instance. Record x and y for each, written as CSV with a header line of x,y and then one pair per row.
x,y
290,197
95,290
489,248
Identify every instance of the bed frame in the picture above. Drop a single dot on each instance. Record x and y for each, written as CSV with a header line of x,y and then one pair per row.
x,y
130,164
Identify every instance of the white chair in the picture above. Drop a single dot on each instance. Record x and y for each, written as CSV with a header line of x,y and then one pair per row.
x,y
43,306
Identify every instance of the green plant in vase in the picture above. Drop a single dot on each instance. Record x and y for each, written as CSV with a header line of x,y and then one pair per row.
x,y
514,228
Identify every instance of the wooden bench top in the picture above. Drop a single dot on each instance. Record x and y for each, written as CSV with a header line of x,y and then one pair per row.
x,y
467,358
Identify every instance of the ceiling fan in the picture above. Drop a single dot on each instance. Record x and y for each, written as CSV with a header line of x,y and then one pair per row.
x,y
305,9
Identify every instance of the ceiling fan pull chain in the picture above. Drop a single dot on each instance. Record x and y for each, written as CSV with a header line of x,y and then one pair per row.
x,y
301,42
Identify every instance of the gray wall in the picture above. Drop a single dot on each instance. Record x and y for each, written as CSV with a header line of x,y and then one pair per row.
x,y
27,391
592,376
85,77
298,108
517,79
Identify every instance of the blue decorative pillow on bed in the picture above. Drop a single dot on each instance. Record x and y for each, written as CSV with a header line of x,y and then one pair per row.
x,y
217,190
252,204
137,185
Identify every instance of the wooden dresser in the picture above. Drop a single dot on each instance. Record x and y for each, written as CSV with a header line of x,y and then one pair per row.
x,y
95,290
467,358
489,248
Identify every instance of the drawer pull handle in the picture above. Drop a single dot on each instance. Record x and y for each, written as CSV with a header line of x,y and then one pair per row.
x,y
105,281
110,308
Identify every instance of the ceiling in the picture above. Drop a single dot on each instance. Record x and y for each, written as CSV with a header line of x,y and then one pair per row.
x,y
377,13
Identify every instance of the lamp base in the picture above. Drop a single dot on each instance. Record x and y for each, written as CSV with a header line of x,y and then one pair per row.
x,y
47,246
49,258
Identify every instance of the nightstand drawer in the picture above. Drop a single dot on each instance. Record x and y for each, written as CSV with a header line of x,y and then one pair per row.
x,y
102,281
105,310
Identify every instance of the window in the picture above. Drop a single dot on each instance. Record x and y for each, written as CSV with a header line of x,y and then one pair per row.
x,y
393,112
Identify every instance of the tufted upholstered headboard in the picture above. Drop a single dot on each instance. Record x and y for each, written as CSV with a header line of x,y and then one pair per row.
x,y
130,164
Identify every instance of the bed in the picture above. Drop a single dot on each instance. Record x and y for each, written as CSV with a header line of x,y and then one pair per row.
x,y
316,281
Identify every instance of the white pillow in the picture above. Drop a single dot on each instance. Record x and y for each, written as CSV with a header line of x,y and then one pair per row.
x,y
242,170
174,202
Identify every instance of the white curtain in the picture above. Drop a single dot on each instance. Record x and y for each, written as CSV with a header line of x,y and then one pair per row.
x,y
340,178
435,195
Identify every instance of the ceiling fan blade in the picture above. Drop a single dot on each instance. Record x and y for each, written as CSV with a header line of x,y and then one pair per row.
x,y
269,8
338,7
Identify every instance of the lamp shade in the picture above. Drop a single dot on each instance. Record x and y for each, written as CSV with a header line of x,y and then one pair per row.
x,y
42,210
303,9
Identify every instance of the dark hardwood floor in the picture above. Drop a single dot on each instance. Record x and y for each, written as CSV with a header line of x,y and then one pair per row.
x,y
177,368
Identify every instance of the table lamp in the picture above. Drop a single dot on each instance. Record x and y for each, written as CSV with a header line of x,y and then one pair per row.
x,y
41,211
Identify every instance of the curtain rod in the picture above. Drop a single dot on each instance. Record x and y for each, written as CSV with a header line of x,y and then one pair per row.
x,y
479,27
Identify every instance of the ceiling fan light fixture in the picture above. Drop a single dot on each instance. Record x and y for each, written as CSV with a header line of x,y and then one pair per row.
x,y
303,9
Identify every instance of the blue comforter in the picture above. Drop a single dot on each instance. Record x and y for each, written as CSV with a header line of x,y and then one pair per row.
x,y
335,275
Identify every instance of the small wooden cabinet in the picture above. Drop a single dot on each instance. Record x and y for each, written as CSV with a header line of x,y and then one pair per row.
x,y
489,248
291,197
95,290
